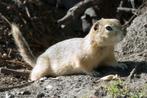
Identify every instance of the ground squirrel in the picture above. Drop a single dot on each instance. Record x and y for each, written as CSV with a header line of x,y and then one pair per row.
x,y
76,55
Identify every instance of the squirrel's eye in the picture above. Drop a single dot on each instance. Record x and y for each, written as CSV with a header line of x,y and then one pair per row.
x,y
109,28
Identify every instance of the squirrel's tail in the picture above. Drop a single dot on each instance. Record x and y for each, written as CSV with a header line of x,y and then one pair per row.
x,y
23,46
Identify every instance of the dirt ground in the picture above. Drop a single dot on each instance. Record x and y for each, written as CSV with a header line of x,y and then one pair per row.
x,y
132,82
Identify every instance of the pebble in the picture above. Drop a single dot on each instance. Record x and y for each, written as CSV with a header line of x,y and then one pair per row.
x,y
7,95
49,87
25,92
4,55
40,95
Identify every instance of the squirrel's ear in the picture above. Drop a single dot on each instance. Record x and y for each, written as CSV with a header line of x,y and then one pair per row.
x,y
96,26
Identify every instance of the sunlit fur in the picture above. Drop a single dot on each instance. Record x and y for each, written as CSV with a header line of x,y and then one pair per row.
x,y
76,55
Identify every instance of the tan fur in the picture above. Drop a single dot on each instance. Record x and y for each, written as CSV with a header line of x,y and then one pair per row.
x,y
76,55
23,46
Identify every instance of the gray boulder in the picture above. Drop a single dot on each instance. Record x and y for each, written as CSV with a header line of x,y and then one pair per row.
x,y
134,45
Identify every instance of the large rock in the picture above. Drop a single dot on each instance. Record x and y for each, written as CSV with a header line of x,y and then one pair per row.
x,y
77,86
134,45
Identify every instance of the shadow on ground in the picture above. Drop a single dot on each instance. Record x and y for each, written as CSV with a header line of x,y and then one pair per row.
x,y
140,67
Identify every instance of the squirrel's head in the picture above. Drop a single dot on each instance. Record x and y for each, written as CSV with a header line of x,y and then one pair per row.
x,y
107,32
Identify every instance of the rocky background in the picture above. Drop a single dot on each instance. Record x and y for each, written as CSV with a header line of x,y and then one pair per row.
x,y
45,22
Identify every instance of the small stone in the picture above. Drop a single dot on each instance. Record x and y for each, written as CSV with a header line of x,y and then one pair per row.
x,y
4,55
25,92
7,95
49,87
40,95
62,26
